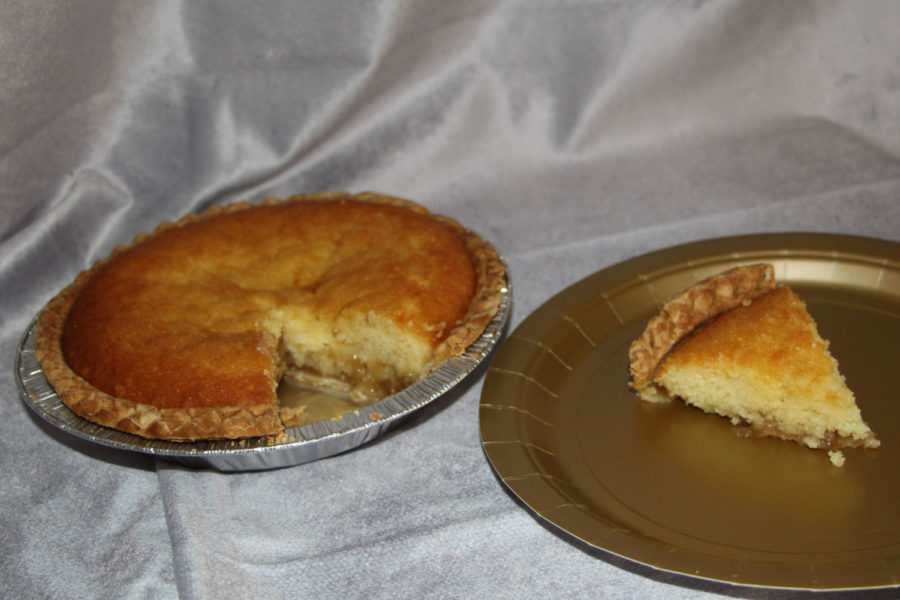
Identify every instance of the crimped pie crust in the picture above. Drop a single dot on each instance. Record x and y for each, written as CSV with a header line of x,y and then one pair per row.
x,y
688,310
258,417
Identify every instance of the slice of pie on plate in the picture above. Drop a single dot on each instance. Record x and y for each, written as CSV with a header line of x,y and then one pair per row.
x,y
185,333
740,346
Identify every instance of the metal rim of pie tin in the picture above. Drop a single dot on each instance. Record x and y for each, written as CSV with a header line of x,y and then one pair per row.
x,y
305,443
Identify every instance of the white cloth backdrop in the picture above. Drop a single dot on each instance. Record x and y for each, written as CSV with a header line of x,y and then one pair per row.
x,y
571,134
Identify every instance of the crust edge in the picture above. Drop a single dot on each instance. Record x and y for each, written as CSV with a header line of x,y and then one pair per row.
x,y
687,311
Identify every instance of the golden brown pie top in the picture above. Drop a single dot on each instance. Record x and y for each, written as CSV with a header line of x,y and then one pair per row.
x,y
757,335
690,309
185,333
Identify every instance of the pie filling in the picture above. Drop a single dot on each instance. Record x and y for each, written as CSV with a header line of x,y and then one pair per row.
x,y
830,440
365,357
328,370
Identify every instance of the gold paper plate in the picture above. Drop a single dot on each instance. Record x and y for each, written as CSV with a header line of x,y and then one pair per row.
x,y
674,488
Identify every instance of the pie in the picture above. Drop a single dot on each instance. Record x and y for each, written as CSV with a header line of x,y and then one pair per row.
x,y
185,333
740,346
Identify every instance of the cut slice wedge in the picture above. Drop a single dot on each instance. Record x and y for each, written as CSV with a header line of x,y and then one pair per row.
x,y
750,352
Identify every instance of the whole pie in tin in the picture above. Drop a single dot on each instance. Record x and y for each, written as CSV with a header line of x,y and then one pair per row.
x,y
185,333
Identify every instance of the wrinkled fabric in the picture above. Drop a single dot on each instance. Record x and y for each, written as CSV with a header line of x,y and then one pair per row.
x,y
571,134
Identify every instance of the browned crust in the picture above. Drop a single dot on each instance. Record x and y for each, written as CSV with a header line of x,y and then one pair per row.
x,y
234,422
685,312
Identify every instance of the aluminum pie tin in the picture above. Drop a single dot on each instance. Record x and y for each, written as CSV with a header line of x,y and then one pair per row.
x,y
670,488
307,443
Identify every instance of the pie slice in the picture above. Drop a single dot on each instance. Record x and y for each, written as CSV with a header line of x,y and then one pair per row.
x,y
185,333
741,347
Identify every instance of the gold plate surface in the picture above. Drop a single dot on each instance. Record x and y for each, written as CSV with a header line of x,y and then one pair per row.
x,y
674,488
